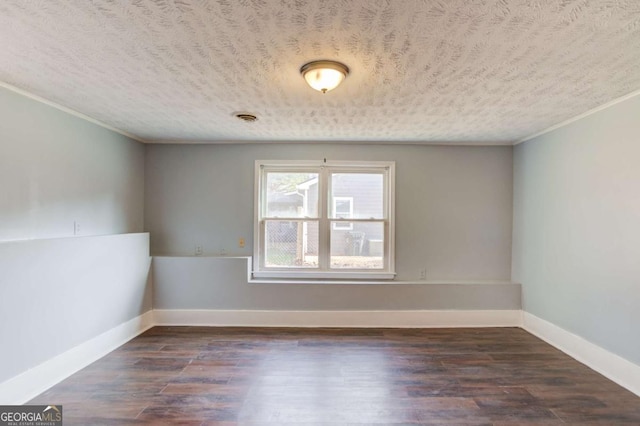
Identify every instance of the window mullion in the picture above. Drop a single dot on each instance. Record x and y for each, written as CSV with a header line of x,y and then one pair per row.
x,y
324,189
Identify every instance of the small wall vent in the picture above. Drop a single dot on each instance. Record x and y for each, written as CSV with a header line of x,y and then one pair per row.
x,y
245,116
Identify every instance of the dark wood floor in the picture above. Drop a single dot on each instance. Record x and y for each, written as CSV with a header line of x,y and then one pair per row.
x,y
208,376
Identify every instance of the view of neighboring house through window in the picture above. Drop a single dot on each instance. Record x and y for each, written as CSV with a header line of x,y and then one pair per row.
x,y
317,219
343,209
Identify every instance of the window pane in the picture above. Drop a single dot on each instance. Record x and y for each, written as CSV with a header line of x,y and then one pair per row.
x,y
291,244
292,194
361,247
357,195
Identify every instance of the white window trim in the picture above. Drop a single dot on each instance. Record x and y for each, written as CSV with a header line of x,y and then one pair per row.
x,y
346,166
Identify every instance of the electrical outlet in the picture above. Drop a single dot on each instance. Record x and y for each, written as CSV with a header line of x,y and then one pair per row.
x,y
198,251
241,243
76,228
223,252
423,273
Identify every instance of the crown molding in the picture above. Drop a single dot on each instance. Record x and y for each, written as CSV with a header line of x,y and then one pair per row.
x,y
580,116
69,111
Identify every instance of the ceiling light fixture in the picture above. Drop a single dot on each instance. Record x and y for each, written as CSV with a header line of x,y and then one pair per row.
x,y
324,75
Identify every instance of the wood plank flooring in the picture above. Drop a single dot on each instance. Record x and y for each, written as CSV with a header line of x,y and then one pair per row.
x,y
271,376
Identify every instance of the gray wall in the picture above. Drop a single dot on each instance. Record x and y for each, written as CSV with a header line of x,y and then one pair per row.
x,y
577,227
56,293
220,283
453,204
56,169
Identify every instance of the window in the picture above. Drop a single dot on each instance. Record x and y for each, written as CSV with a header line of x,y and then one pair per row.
x,y
316,219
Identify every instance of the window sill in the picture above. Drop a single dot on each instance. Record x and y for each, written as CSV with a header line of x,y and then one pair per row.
x,y
321,276
378,282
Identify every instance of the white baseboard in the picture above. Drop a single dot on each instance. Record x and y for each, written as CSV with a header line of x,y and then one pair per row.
x,y
610,365
402,319
25,386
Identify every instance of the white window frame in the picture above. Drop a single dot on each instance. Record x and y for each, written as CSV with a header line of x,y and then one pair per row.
x,y
324,168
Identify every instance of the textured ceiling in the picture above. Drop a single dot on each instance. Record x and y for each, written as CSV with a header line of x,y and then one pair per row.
x,y
483,71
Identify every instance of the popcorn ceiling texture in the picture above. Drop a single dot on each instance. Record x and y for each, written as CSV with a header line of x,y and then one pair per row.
x,y
485,71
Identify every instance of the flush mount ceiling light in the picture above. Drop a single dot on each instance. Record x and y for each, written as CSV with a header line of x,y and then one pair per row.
x,y
324,75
